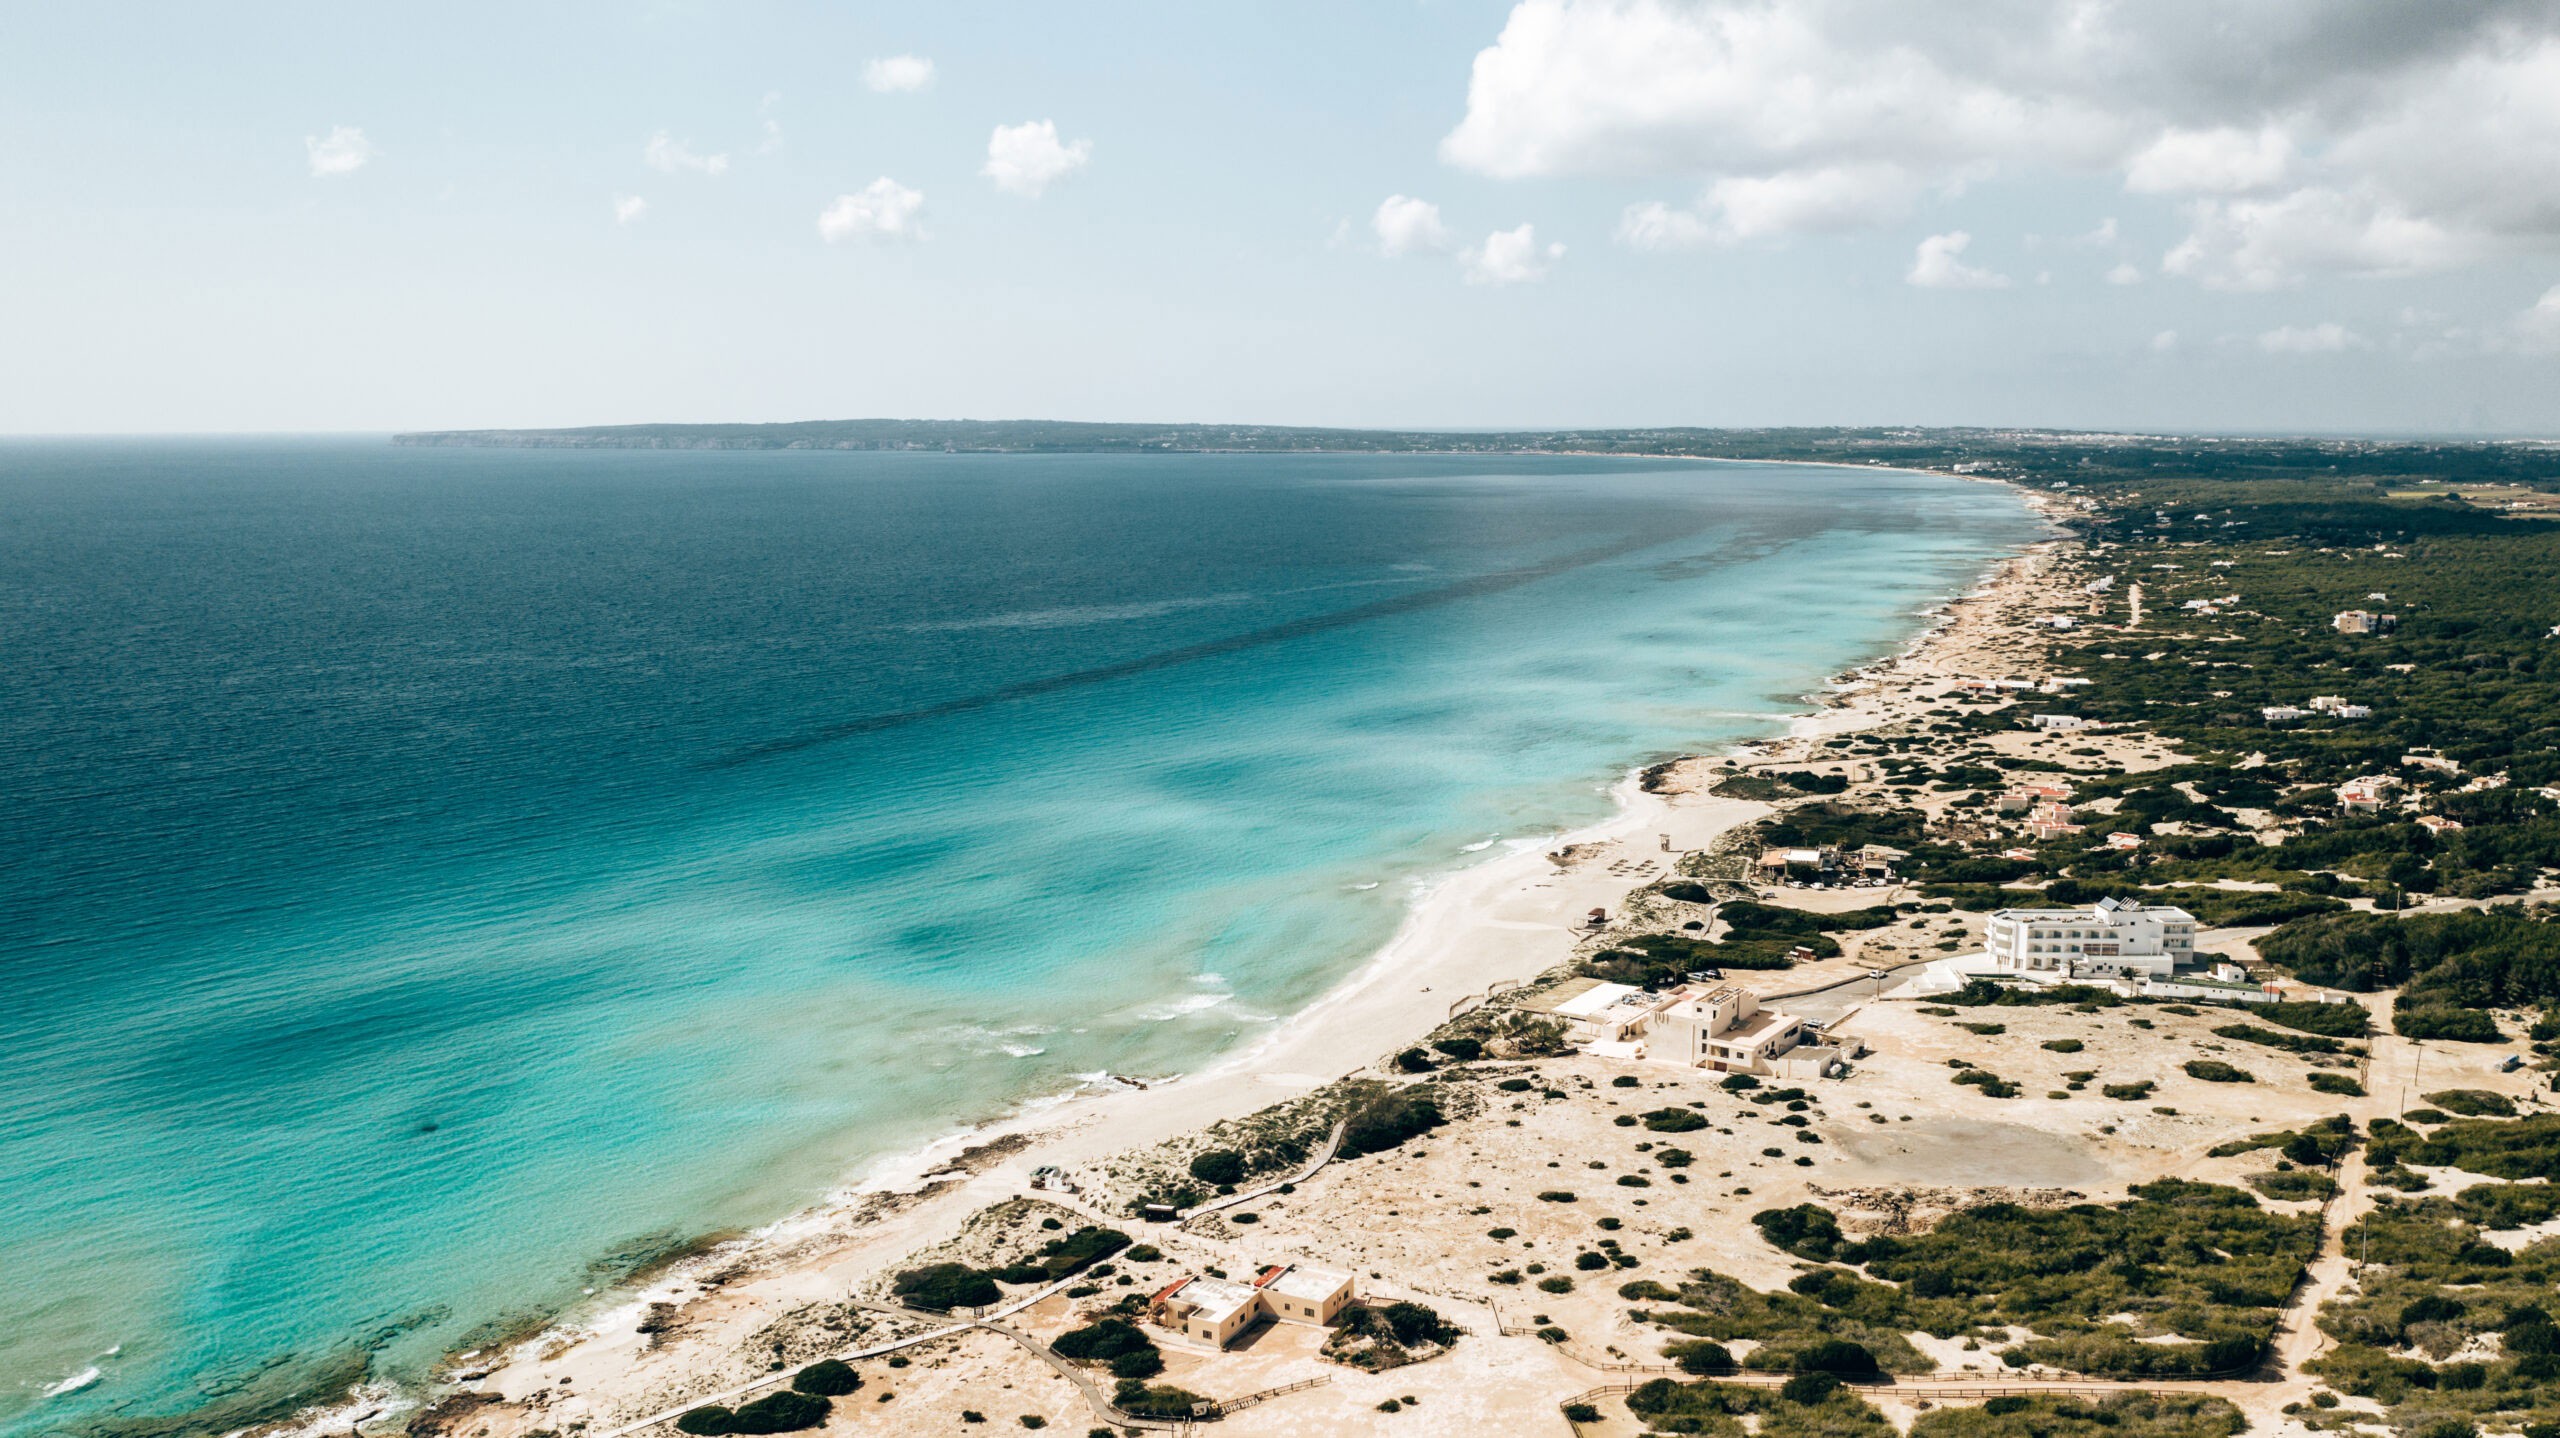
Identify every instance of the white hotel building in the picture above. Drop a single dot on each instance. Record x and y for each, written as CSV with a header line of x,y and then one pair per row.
x,y
2111,939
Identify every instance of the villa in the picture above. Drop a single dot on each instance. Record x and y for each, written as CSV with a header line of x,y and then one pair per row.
x,y
1725,1030
2109,939
2366,795
2364,621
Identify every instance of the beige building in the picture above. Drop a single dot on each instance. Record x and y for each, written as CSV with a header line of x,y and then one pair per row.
x,y
1298,1294
1217,1311
1207,1310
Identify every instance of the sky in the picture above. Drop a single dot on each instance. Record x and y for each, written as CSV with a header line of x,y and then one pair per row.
x,y
2118,214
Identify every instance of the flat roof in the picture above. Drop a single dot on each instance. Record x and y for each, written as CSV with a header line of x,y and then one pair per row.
x,y
1754,1028
2169,912
1313,1285
1599,999
1218,1299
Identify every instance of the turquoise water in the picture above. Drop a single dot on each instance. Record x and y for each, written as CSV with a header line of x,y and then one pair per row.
x,y
438,877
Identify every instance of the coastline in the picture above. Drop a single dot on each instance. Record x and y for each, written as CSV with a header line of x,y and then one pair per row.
x,y
1507,918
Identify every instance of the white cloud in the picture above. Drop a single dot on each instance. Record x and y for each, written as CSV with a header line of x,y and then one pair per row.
x,y
1509,257
2538,328
1024,159
1936,265
2320,339
898,74
2356,136
627,209
1408,226
2271,243
669,155
1654,225
881,210
2101,237
2164,342
2221,161
1742,207
2127,273
340,153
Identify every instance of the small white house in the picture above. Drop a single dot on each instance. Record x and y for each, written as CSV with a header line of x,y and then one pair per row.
x,y
1725,1030
2059,723
2106,940
2283,714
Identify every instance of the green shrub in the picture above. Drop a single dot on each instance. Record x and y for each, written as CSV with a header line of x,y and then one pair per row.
x,y
828,1378
1220,1166
2325,1082
1804,1230
2133,1092
2062,1415
1464,1050
2278,1039
2474,1103
1060,1257
1991,1084
1102,1340
946,1286
2216,1071
2465,1026
1675,1120
1809,1388
783,1412
1144,1362
1387,1118
2064,1046
1141,1400
2294,1184
1701,1357
2347,1020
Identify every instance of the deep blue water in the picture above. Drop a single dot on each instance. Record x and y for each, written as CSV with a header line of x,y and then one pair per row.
x,y
428,874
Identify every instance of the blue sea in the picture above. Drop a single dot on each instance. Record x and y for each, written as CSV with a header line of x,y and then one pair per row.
x,y
433,880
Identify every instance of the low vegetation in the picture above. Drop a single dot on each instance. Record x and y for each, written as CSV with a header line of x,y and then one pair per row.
x,y
788,1411
1377,1337
2124,1415
1810,1410
2201,1270
2449,1326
